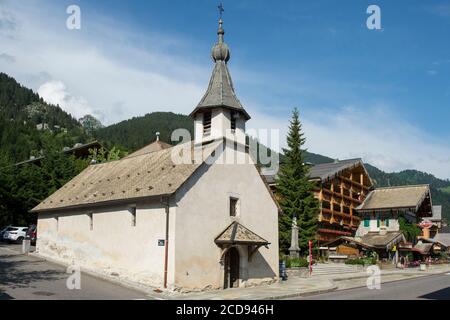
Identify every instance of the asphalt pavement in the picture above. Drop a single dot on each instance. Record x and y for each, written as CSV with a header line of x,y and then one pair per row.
x,y
27,277
436,287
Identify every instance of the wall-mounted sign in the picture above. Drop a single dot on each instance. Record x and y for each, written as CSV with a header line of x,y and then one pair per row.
x,y
161,243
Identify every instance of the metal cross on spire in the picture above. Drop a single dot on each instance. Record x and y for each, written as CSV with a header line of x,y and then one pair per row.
x,y
221,10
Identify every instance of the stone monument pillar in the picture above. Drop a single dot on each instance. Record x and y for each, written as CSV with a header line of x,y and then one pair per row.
x,y
294,250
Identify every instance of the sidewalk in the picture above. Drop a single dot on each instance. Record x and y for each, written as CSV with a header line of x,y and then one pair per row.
x,y
293,287
298,287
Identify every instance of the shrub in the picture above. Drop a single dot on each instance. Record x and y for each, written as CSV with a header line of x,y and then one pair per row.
x,y
361,261
296,262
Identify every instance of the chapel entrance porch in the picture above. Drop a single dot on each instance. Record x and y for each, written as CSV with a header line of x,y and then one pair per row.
x,y
231,269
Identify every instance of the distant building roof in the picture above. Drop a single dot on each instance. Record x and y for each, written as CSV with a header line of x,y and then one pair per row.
x,y
128,179
78,150
403,197
83,149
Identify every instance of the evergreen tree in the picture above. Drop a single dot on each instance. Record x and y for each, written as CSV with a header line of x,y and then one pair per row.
x,y
295,192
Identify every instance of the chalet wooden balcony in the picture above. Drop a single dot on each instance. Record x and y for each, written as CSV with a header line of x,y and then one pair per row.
x,y
335,232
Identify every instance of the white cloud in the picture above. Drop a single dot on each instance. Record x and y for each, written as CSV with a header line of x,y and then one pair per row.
x,y
55,92
379,136
376,134
8,58
116,74
106,69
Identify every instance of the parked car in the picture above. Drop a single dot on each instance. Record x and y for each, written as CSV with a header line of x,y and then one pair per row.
x,y
32,234
15,234
2,232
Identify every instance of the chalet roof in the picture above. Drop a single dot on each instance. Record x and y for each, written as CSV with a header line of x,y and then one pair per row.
x,y
372,240
128,179
220,92
406,197
326,171
236,233
152,147
443,238
377,240
437,213
445,229
423,248
342,239
440,238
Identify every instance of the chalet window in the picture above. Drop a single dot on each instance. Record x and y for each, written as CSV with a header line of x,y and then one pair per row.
x,y
366,222
234,207
91,221
133,216
387,222
378,222
207,123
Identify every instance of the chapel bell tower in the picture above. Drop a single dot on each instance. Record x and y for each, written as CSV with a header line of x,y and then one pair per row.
x,y
220,113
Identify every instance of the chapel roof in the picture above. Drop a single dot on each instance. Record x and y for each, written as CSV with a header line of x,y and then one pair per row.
x,y
152,147
131,178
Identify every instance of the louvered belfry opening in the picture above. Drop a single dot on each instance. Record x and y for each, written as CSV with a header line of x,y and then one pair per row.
x,y
207,123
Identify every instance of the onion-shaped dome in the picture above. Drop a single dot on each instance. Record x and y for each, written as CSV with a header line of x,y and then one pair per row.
x,y
220,52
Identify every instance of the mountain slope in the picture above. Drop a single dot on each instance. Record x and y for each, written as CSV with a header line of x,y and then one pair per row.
x,y
21,113
137,132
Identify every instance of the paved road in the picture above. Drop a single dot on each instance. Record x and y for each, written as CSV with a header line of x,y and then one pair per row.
x,y
435,287
25,277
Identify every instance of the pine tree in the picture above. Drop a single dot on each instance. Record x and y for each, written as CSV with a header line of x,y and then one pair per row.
x,y
295,191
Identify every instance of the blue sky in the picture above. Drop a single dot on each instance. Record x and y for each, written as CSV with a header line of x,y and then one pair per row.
x,y
383,95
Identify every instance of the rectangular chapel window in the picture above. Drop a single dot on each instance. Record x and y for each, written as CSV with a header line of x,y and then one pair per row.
x,y
133,216
233,207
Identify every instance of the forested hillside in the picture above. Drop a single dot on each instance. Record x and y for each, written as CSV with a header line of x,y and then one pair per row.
x,y
21,113
137,132
31,127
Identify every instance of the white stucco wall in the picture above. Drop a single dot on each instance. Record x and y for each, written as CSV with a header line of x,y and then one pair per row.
x,y
114,246
220,126
198,213
203,213
373,225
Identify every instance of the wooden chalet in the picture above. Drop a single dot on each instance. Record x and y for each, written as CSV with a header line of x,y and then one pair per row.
x,y
340,187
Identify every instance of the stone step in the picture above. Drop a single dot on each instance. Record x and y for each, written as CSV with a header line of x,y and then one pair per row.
x,y
321,269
